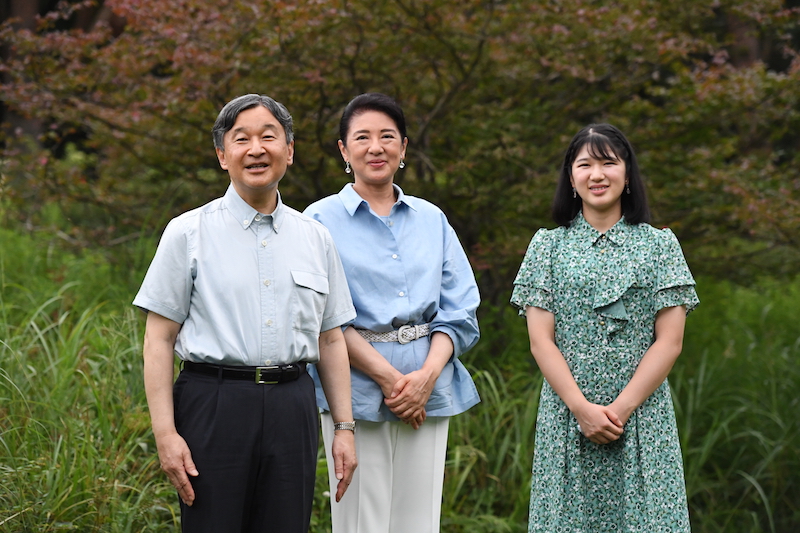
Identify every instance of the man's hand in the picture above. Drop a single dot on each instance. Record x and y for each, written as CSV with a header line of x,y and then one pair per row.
x,y
176,462
344,459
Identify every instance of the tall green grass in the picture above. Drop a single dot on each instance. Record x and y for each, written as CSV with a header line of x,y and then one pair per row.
x,y
77,453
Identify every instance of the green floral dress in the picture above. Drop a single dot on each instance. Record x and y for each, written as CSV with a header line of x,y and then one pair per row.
x,y
605,291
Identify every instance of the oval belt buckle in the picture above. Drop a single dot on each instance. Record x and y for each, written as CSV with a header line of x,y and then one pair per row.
x,y
401,339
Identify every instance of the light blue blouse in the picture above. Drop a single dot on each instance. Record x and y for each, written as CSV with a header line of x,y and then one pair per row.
x,y
248,288
405,268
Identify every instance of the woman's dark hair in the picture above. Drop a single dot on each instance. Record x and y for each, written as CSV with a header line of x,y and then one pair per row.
x,y
605,142
372,102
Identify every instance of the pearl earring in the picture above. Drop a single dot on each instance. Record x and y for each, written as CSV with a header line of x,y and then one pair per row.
x,y
347,167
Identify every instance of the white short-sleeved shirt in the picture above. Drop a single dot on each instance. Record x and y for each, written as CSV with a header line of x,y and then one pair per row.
x,y
248,288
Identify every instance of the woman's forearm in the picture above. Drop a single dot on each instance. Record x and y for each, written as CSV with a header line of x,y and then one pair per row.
x,y
656,363
368,360
541,330
599,423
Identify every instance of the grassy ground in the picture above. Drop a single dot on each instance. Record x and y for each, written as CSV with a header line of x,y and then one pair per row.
x,y
76,452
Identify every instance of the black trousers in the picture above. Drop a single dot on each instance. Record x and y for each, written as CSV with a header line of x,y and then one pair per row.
x,y
255,447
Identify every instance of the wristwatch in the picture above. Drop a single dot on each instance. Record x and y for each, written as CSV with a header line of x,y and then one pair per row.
x,y
350,426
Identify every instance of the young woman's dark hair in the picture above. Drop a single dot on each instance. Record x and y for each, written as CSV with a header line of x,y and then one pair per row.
x,y
372,102
605,142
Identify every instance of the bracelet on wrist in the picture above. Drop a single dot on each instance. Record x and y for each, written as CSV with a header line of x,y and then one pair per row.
x,y
349,426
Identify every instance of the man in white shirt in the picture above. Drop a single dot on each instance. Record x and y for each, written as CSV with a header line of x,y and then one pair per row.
x,y
247,291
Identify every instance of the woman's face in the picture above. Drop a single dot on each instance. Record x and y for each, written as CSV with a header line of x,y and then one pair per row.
x,y
373,147
599,182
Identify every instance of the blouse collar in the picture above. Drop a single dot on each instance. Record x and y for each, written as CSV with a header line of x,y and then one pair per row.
x,y
351,199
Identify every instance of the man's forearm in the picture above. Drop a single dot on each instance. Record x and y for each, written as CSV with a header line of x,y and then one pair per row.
x,y
159,345
334,373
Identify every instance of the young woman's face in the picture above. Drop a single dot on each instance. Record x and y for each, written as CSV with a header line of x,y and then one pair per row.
x,y
600,183
374,147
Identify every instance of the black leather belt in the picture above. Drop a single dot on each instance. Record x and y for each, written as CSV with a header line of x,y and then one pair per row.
x,y
263,375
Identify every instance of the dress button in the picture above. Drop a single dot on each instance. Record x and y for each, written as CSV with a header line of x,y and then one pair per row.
x,y
602,323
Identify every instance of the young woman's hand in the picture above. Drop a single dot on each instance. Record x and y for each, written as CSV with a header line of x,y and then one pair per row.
x,y
623,413
599,423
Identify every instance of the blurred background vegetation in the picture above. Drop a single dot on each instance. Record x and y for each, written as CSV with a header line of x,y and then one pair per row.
x,y
106,110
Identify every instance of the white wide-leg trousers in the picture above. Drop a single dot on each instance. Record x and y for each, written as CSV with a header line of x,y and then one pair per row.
x,y
397,487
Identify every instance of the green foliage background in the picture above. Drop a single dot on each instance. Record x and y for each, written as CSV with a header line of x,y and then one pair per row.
x,y
77,453
708,92
493,90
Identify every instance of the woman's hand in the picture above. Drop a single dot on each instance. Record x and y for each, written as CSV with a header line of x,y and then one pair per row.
x,y
599,423
388,386
622,412
409,395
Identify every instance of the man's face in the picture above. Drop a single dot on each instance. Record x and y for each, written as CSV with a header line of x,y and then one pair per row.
x,y
255,153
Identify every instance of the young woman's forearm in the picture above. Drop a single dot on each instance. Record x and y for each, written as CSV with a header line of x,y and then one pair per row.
x,y
656,363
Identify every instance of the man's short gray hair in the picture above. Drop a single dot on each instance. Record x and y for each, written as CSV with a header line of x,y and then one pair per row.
x,y
227,117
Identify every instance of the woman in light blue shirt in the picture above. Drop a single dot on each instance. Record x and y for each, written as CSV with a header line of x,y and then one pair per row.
x,y
415,297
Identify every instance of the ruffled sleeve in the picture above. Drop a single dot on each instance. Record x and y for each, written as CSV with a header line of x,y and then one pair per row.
x,y
674,282
533,285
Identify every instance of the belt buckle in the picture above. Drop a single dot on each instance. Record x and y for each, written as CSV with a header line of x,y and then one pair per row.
x,y
402,329
260,381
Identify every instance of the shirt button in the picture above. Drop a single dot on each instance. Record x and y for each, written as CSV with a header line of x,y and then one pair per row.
x,y
401,293
389,223
268,361
394,256
602,323
267,282
268,322
258,217
263,243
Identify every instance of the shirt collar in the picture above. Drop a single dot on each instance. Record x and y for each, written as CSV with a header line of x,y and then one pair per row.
x,y
585,235
245,214
352,200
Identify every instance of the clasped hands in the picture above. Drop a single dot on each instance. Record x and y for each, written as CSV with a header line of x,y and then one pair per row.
x,y
601,424
406,398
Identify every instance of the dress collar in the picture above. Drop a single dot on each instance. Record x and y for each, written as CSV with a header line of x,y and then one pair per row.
x,y
585,235
351,199
245,214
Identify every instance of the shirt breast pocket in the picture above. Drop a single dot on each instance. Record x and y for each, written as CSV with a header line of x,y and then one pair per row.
x,y
310,292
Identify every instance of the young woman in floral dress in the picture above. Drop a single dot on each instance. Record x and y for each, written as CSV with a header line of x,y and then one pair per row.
x,y
606,297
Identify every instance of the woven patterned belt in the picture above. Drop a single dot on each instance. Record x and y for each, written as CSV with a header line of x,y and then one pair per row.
x,y
404,335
